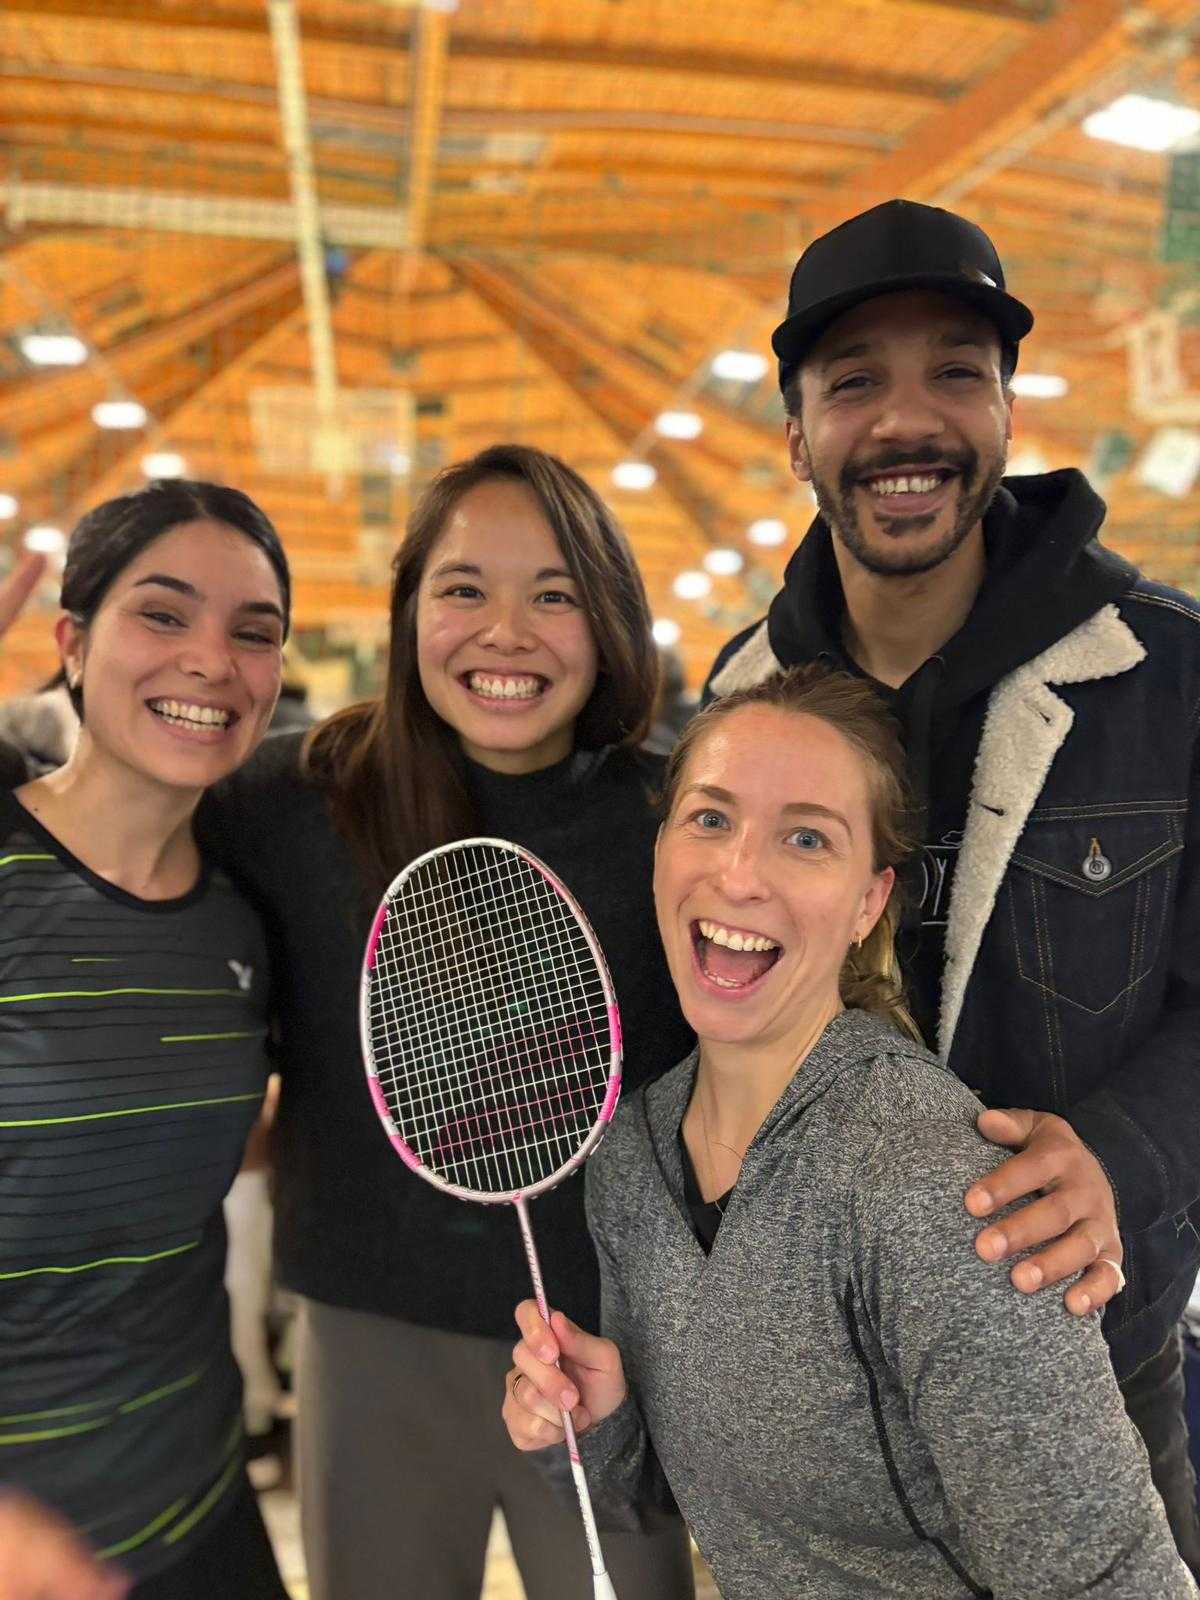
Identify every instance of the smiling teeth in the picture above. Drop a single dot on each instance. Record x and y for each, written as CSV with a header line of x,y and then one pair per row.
x,y
190,716
911,485
504,688
717,934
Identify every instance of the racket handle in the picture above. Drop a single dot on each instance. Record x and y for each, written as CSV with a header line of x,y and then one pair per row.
x,y
602,1585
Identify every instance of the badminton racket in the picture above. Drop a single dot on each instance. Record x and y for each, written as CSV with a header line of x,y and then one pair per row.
x,y
492,1042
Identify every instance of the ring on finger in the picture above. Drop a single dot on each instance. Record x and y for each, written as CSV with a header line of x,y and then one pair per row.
x,y
1116,1266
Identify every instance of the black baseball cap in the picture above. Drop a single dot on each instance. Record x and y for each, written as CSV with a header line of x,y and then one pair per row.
x,y
900,244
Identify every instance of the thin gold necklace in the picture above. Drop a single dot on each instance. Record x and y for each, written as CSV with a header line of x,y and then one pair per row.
x,y
708,1145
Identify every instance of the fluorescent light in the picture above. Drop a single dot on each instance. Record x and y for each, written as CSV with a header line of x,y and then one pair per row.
x,y
679,424
767,530
740,366
119,414
9,506
45,540
666,631
634,475
53,349
692,585
1039,385
163,464
723,563
1143,123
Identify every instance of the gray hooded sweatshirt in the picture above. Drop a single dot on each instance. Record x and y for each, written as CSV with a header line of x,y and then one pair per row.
x,y
844,1400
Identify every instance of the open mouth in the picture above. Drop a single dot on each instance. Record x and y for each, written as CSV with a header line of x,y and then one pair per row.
x,y
505,688
734,959
193,718
900,492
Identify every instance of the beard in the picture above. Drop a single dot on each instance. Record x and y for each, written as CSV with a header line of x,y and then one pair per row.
x,y
978,482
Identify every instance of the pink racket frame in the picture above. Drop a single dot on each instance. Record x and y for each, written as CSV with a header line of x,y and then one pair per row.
x,y
613,1094
518,1198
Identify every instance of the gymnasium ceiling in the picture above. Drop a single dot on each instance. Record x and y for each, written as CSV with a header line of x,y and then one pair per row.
x,y
331,245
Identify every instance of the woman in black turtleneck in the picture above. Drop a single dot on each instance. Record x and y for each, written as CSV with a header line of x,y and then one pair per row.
x,y
520,681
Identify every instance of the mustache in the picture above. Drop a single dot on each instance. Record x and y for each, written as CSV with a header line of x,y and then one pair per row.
x,y
964,462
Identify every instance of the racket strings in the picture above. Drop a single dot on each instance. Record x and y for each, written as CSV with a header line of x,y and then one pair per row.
x,y
489,1021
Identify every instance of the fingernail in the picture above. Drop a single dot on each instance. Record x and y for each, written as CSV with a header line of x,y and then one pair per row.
x,y
994,1246
570,1399
1031,1277
1085,1304
981,1199
547,1352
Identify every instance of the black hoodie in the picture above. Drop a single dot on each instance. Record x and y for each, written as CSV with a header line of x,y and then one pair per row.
x,y
1045,575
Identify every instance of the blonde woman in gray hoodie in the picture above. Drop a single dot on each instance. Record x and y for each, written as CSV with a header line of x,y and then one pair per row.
x,y
801,1345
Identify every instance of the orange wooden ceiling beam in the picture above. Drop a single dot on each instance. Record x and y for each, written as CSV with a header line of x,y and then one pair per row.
x,y
1082,37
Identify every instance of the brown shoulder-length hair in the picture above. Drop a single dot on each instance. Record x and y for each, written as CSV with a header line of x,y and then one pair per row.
x,y
391,767
870,977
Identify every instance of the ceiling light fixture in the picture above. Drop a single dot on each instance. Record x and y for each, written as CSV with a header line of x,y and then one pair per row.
x,y
692,585
767,531
739,366
119,414
634,475
9,506
1143,122
163,464
666,631
45,540
1039,385
53,349
723,563
679,424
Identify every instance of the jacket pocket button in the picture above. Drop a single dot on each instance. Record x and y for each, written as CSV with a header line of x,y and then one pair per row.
x,y
1096,866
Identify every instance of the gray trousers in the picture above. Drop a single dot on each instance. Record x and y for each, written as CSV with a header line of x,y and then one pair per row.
x,y
403,1458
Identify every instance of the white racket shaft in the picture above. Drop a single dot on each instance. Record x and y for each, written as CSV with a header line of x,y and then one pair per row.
x,y
601,1583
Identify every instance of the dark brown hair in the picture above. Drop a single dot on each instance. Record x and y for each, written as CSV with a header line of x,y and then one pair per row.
x,y
870,977
391,766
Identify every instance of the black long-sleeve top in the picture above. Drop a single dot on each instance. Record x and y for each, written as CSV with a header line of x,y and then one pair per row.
x,y
354,1228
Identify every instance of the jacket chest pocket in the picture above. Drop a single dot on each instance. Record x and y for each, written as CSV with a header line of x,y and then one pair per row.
x,y
1087,897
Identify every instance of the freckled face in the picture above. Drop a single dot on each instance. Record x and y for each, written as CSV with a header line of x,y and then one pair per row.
x,y
180,666
505,650
904,429
764,875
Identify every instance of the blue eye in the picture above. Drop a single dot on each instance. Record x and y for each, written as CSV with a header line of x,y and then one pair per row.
x,y
708,820
808,839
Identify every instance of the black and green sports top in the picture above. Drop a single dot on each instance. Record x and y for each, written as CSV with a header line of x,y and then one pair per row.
x,y
132,1065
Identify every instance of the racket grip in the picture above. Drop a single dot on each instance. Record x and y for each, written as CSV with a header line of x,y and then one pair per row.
x,y
602,1585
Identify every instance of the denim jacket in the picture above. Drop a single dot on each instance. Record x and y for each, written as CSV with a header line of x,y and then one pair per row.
x,y
1072,978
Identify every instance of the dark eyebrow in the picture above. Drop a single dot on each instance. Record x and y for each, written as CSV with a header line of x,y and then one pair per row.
x,y
448,567
467,567
189,591
179,586
808,808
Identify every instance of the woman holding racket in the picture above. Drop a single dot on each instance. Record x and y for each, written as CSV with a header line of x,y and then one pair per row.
x,y
133,997
804,1349
520,679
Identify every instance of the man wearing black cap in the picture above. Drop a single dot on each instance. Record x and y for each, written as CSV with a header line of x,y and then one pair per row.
x,y
1050,699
